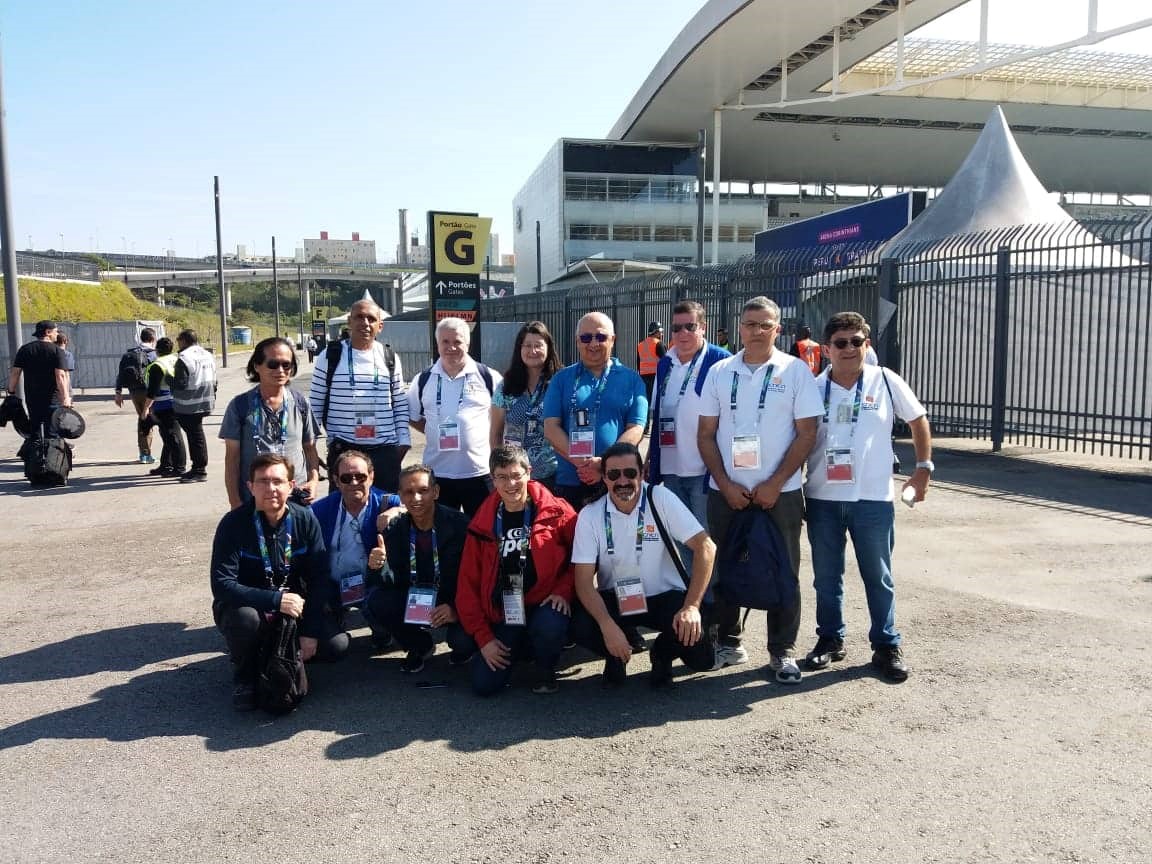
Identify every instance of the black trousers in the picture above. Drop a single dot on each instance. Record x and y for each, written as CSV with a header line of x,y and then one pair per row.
x,y
466,494
387,605
193,426
580,495
662,608
243,629
386,459
172,454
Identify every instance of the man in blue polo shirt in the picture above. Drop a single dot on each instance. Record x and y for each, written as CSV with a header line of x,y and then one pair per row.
x,y
590,406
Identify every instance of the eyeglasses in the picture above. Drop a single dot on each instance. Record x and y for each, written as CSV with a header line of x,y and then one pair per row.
x,y
509,478
614,473
273,365
759,325
855,342
353,477
587,338
691,327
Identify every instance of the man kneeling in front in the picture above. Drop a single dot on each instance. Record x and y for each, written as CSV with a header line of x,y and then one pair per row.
x,y
626,577
268,556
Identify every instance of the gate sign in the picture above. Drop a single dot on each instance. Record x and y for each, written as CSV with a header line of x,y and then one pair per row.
x,y
459,242
320,313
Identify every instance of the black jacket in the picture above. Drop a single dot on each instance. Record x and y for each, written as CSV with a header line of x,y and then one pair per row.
x,y
451,528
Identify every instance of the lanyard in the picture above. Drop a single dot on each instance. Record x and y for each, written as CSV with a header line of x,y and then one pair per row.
x,y
684,384
352,372
412,557
527,526
855,404
763,390
287,553
611,547
598,385
339,534
258,416
440,384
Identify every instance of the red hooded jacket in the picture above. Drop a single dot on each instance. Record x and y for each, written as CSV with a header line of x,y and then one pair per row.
x,y
550,545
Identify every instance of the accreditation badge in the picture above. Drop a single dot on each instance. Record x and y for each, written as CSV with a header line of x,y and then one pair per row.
x,y
352,589
449,437
364,414
667,431
421,602
630,597
838,466
514,614
746,452
513,435
582,442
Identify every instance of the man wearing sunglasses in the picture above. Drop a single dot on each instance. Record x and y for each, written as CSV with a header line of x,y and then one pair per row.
x,y
849,490
589,406
758,417
625,577
353,520
673,455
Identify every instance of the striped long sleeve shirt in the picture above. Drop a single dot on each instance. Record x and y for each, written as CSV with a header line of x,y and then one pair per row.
x,y
366,405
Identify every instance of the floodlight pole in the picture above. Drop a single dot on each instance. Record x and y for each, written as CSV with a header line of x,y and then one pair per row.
x,y
11,279
275,289
220,279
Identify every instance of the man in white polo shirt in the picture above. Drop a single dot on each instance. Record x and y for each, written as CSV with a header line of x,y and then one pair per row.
x,y
758,416
626,577
849,490
450,403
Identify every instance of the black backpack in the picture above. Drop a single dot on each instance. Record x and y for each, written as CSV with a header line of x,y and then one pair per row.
x,y
753,566
132,366
283,683
422,381
332,355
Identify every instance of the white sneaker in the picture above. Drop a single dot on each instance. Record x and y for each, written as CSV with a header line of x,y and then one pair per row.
x,y
730,655
786,669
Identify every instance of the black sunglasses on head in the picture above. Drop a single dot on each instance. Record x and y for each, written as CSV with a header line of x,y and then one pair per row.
x,y
614,473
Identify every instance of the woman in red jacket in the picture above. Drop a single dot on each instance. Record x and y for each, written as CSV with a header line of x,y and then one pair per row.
x,y
515,586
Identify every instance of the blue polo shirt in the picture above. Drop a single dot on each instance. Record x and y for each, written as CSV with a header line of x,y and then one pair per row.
x,y
622,403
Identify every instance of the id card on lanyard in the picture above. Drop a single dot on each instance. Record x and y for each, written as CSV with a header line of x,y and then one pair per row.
x,y
518,434
351,581
285,555
448,431
512,594
257,414
582,421
667,430
839,464
626,579
421,598
363,401
746,447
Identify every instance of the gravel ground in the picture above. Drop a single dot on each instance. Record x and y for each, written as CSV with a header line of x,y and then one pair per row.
x,y
1024,590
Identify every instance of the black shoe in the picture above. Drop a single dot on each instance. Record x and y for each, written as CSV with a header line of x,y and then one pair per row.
x,y
661,672
614,674
243,697
827,650
413,661
166,472
194,477
459,658
546,683
889,659
382,640
635,640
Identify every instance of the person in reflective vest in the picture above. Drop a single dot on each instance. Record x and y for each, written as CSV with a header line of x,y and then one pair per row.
x,y
648,354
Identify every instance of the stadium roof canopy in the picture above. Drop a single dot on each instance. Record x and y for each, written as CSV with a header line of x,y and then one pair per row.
x,y
1082,119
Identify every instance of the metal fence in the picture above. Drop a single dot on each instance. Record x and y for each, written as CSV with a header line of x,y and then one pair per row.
x,y
50,267
1034,335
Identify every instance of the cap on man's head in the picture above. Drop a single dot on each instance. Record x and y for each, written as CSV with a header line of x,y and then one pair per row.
x,y
655,327
42,327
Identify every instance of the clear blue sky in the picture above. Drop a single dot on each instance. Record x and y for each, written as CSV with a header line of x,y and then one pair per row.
x,y
321,115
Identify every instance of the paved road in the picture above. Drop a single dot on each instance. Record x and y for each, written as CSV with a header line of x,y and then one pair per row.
x,y
1024,584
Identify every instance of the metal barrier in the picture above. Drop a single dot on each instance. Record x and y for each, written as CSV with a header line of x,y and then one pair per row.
x,y
49,267
1036,335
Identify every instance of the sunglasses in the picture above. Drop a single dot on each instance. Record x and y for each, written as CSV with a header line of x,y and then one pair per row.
x,y
587,338
273,365
691,327
614,473
855,342
355,477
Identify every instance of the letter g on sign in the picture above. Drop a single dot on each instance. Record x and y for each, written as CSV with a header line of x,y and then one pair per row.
x,y
459,248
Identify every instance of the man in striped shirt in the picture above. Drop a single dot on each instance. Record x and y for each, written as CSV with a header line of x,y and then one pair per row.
x,y
365,408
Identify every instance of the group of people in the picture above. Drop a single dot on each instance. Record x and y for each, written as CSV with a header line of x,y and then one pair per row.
x,y
172,386
535,520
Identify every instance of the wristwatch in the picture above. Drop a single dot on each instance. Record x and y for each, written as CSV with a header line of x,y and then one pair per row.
x,y
928,465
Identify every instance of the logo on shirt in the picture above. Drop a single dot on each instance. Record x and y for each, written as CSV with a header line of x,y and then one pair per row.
x,y
777,385
650,532
870,403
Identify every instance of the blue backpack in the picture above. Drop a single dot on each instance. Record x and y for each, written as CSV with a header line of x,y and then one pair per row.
x,y
754,568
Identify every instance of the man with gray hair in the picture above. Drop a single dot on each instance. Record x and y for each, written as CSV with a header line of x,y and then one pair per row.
x,y
358,396
450,402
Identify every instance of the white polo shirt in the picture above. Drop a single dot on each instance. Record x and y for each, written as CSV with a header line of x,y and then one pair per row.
x,y
657,571
790,395
683,459
869,438
463,400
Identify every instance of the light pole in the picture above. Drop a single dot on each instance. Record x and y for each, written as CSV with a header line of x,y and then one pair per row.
x,y
61,242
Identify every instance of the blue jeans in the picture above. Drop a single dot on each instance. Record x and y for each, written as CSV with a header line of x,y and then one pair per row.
x,y
546,633
693,492
871,525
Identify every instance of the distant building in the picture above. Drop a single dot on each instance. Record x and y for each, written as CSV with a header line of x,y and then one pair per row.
x,y
494,249
417,255
507,260
241,252
332,251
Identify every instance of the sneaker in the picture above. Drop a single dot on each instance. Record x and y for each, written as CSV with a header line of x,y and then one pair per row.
x,y
147,458
243,697
546,683
614,674
889,659
194,477
165,471
413,661
787,672
827,650
730,655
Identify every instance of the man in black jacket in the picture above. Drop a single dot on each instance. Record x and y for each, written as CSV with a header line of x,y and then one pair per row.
x,y
268,557
430,539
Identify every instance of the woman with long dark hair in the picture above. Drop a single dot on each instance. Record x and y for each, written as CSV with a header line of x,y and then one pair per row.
x,y
518,401
272,417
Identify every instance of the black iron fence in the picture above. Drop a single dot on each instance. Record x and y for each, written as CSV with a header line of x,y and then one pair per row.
x,y
1035,335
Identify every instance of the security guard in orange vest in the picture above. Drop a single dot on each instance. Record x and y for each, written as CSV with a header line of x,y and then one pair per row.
x,y
648,354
